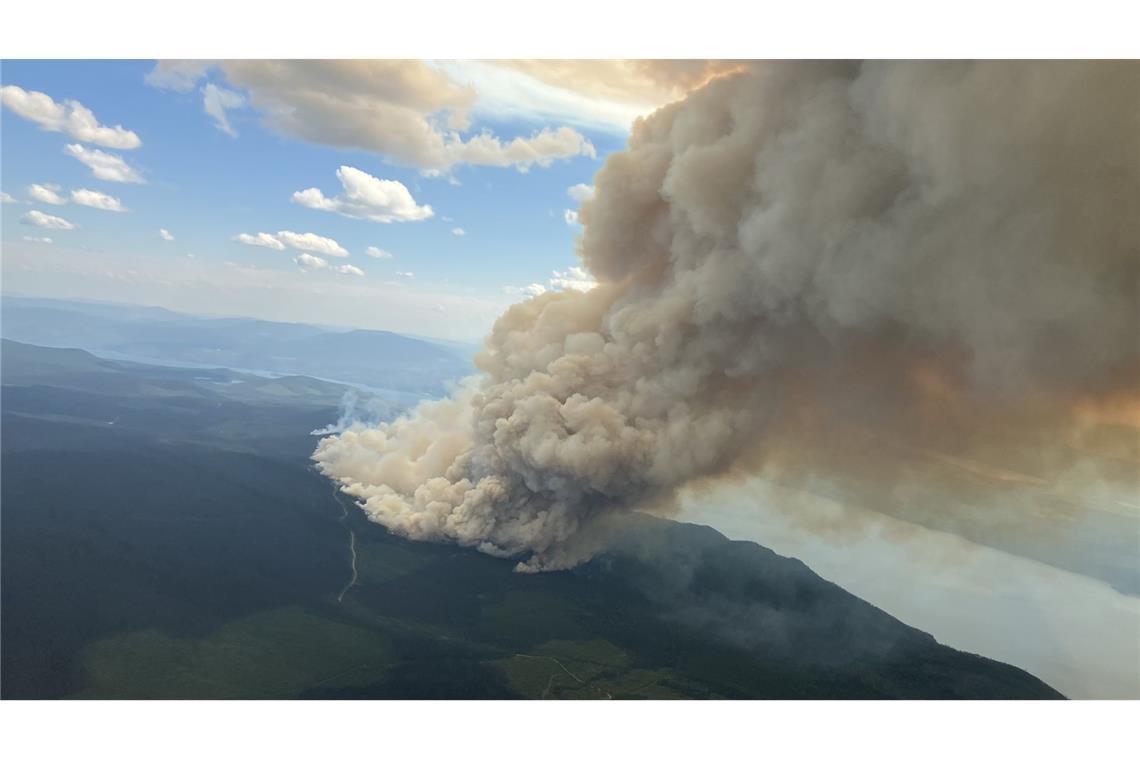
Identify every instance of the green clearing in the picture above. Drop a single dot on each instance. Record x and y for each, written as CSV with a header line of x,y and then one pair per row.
x,y
268,655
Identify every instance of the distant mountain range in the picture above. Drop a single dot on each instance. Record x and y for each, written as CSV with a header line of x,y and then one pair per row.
x,y
372,358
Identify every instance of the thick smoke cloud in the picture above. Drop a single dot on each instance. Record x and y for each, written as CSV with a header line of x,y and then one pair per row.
x,y
901,278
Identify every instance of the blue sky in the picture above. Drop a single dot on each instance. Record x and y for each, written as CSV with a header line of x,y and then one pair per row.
x,y
205,187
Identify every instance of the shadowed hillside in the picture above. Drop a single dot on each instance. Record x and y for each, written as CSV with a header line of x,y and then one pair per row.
x,y
165,537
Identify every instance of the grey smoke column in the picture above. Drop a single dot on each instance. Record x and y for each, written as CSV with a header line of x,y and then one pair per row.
x,y
938,255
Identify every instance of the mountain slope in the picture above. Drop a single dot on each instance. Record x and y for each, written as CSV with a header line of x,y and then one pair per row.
x,y
189,551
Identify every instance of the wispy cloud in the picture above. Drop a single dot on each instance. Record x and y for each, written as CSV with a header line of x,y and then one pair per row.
x,y
105,166
301,241
262,239
46,194
70,117
96,199
47,221
307,261
216,101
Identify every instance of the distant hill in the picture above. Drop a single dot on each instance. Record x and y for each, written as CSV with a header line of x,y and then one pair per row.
x,y
367,357
165,537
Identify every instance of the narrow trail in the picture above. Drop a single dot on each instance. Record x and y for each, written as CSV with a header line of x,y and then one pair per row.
x,y
351,543
352,553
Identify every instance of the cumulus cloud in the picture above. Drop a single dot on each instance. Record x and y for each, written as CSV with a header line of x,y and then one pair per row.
x,y
534,289
350,270
855,277
47,221
96,199
580,192
574,278
46,194
377,253
307,241
70,117
216,101
105,166
307,261
458,231
262,239
165,235
542,148
410,112
366,197
301,241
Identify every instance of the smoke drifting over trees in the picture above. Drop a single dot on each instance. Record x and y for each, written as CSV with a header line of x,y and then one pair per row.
x,y
916,282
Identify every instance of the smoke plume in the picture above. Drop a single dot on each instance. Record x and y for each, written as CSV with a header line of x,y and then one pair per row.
x,y
915,282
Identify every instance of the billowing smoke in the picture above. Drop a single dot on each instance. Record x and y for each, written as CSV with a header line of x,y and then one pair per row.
x,y
896,279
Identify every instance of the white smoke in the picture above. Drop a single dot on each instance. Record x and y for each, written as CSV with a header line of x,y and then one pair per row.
x,y
844,271
357,413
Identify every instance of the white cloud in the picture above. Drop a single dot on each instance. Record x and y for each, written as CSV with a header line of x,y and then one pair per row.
x,y
216,101
47,221
31,239
263,239
366,197
458,231
541,148
580,192
46,194
349,269
96,199
180,76
106,166
70,117
574,278
5,198
165,235
301,241
534,289
408,275
307,241
378,253
310,262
